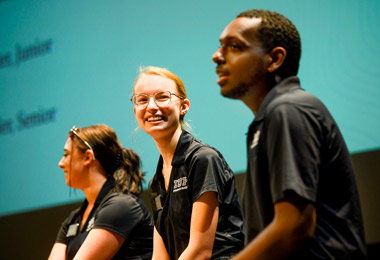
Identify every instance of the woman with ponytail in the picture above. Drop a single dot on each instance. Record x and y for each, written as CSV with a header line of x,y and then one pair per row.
x,y
113,222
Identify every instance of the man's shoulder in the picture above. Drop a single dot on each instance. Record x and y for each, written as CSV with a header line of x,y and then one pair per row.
x,y
293,98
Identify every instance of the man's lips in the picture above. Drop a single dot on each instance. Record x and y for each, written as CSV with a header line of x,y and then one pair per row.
x,y
223,74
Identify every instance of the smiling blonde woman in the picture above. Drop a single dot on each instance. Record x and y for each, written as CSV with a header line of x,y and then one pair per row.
x,y
195,201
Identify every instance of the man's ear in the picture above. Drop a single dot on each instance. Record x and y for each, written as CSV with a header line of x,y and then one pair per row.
x,y
276,58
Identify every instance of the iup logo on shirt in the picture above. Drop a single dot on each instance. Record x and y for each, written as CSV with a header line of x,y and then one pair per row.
x,y
255,140
90,224
180,184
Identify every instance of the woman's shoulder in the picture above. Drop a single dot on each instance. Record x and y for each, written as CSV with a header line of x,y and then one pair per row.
x,y
72,215
123,204
121,198
203,151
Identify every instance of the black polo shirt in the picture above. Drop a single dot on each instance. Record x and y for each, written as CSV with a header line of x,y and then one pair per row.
x,y
294,145
122,213
196,168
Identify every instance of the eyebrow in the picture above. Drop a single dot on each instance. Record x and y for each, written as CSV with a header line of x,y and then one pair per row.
x,y
233,38
142,93
230,38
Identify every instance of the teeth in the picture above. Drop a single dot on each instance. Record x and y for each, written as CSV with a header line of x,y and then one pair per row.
x,y
150,119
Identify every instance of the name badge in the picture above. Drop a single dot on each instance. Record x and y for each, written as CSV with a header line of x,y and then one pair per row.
x,y
73,230
157,202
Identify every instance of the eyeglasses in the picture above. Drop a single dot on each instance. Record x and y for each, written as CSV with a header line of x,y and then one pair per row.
x,y
162,98
74,130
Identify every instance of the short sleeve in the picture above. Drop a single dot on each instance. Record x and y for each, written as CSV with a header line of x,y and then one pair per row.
x,y
206,171
119,213
292,138
61,237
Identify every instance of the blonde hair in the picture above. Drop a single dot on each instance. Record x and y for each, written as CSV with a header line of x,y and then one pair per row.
x,y
152,70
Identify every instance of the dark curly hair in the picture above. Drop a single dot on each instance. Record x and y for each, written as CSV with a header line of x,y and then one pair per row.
x,y
276,30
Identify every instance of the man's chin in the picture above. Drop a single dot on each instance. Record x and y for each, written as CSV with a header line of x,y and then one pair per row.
x,y
228,95
233,93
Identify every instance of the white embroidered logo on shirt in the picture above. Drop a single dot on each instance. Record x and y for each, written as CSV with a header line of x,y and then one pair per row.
x,y
90,224
255,140
180,184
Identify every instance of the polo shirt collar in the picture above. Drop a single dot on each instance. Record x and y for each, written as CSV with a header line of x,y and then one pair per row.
x,y
107,186
278,90
183,144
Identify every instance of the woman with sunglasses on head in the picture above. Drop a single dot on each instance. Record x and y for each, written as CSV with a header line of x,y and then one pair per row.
x,y
196,208
113,222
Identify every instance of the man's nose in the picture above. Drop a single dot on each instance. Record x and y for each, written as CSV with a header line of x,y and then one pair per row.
x,y
218,57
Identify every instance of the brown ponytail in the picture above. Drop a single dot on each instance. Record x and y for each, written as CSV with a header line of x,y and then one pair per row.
x,y
129,177
117,162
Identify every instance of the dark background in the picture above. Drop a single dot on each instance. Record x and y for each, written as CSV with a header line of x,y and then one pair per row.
x,y
31,235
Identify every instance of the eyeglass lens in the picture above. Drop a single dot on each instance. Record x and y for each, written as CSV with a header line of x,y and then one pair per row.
x,y
160,98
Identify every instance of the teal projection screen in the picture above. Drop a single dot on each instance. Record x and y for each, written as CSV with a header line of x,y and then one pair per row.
x,y
65,63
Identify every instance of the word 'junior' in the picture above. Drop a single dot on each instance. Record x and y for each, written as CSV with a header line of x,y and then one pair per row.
x,y
24,53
